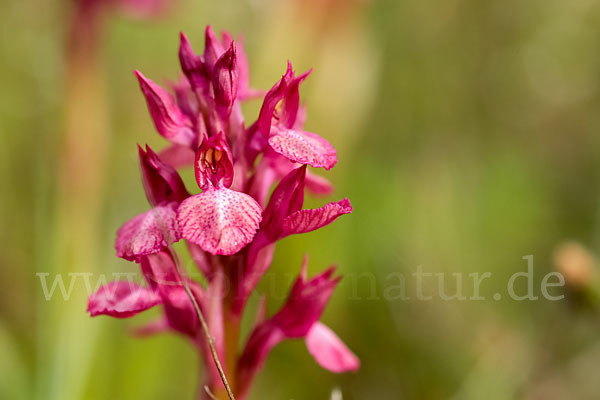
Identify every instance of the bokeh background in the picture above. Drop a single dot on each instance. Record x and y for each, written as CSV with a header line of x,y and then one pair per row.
x,y
468,134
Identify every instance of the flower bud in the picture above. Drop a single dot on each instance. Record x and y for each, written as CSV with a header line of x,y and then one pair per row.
x,y
225,80
192,66
161,181
168,119
212,48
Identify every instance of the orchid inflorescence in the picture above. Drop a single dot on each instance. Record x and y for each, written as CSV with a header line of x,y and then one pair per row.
x,y
231,227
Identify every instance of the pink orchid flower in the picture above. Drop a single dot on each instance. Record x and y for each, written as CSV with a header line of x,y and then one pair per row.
x,y
219,220
283,129
150,232
282,217
299,318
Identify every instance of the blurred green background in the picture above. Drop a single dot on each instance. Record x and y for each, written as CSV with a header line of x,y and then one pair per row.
x,y
468,135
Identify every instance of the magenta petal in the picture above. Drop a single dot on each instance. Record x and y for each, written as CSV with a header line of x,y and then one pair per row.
x,y
225,80
261,341
185,98
193,67
264,177
213,164
286,199
180,312
318,185
168,119
291,104
162,183
220,221
121,299
226,39
160,271
329,351
148,233
303,147
306,302
178,155
213,48
272,98
300,118
162,275
302,309
309,220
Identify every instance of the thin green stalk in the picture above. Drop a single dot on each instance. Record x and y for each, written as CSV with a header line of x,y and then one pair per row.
x,y
209,338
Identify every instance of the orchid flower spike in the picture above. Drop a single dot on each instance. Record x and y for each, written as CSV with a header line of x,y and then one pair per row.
x,y
251,185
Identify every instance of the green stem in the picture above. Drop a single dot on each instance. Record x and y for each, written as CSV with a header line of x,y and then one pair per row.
x,y
209,338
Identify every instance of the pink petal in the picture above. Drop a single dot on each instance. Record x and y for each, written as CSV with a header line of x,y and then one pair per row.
x,y
121,299
286,199
221,221
225,81
180,311
272,98
300,118
226,39
162,183
329,351
148,233
161,273
185,98
306,302
280,165
291,102
213,164
168,119
193,67
303,147
178,155
261,341
300,312
213,49
264,177
309,220
318,185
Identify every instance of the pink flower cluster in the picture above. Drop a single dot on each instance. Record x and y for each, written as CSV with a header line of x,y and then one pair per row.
x,y
231,226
